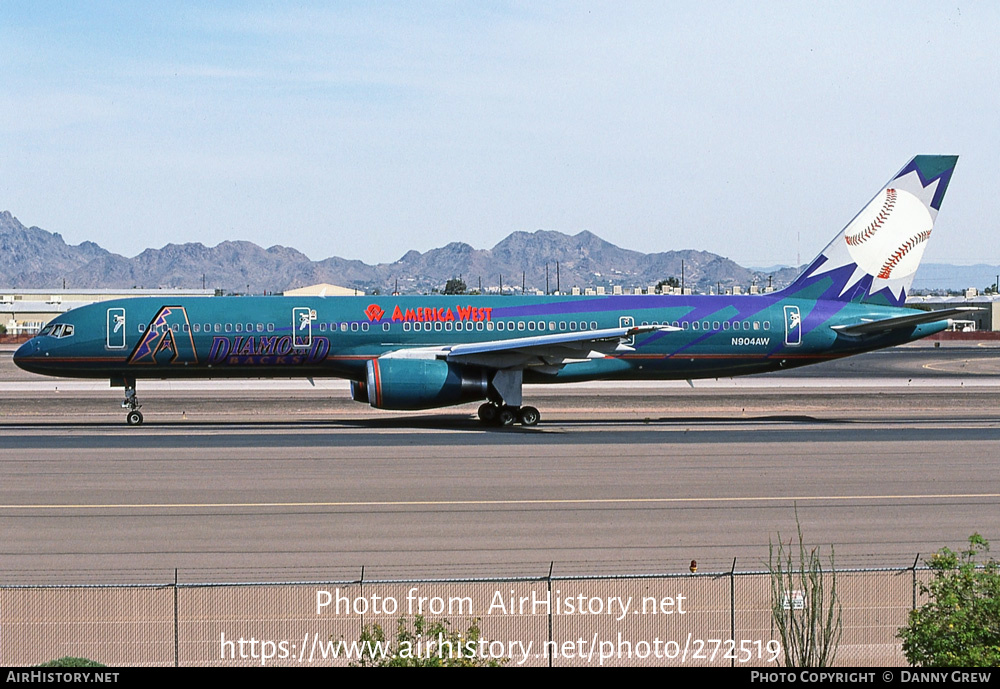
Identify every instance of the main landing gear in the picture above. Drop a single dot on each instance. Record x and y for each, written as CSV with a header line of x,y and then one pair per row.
x,y
131,402
506,415
504,405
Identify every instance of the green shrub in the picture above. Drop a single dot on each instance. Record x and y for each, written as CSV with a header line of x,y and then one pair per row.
x,y
960,625
69,661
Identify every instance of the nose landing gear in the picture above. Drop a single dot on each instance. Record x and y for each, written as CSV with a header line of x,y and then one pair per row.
x,y
131,402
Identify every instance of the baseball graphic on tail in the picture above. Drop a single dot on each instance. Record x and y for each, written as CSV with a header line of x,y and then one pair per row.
x,y
888,237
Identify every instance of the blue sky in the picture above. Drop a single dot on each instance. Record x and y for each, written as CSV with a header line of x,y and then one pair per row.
x,y
753,130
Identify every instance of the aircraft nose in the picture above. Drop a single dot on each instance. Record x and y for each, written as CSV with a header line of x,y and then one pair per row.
x,y
26,353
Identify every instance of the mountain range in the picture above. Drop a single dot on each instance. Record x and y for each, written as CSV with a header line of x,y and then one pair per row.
x,y
31,257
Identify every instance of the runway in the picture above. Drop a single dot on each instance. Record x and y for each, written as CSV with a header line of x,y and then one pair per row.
x,y
883,456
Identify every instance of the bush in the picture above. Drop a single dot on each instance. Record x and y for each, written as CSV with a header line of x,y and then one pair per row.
x,y
804,604
960,625
69,661
410,647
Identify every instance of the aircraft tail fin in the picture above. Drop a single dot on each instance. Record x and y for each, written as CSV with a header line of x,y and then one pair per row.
x,y
874,258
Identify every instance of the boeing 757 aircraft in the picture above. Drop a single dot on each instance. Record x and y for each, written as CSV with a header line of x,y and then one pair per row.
x,y
433,351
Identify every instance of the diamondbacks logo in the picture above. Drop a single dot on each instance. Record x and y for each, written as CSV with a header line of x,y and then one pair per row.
x,y
374,312
167,337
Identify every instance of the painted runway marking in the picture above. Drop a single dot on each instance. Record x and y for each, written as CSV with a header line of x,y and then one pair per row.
x,y
448,503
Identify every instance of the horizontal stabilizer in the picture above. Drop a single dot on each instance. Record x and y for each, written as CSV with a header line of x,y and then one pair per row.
x,y
889,324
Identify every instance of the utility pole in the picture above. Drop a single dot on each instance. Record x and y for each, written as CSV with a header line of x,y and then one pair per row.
x,y
547,279
682,277
558,289
522,283
501,284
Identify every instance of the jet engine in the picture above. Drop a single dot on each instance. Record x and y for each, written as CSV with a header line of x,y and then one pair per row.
x,y
419,384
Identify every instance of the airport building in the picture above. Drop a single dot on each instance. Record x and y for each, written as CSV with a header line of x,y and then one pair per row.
x,y
324,289
26,311
986,318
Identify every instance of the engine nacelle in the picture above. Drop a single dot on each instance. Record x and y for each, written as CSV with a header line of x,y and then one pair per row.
x,y
359,391
421,384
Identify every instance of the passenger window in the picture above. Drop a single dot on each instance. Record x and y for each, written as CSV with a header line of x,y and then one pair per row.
x,y
385,327
437,326
218,328
531,326
756,325
715,325
270,327
354,327
343,327
229,327
704,325
725,325
364,327
562,325
685,325
695,325
448,325
593,325
142,328
406,327
746,325
572,325
197,327
767,325
260,327
322,327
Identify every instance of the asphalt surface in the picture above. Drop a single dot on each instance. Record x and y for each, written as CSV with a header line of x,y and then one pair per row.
x,y
885,456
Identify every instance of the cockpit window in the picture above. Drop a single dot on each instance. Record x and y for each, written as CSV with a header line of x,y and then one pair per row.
x,y
59,330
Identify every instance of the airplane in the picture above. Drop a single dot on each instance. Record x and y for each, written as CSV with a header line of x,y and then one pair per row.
x,y
423,352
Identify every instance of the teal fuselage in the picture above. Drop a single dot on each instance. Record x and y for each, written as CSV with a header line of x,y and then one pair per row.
x,y
263,337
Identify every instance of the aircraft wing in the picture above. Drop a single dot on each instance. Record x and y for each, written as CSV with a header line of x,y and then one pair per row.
x,y
866,327
545,351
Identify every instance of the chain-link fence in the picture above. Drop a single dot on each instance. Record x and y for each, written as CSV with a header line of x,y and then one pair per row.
x,y
717,619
